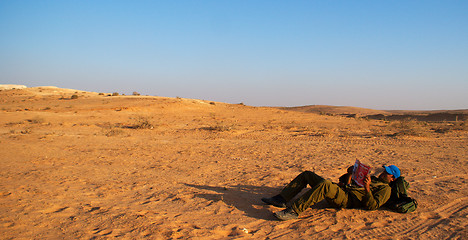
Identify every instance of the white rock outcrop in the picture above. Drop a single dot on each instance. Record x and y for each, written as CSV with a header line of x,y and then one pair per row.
x,y
11,86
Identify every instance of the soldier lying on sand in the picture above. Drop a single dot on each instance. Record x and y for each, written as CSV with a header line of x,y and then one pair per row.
x,y
374,194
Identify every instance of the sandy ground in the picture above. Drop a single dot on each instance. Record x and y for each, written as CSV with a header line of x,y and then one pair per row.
x,y
136,167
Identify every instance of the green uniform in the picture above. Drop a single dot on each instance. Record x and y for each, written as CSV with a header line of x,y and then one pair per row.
x,y
346,197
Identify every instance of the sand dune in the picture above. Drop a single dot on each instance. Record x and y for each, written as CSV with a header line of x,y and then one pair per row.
x,y
135,167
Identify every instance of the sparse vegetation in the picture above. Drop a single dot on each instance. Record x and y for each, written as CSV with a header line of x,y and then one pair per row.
x,y
218,127
462,125
409,127
110,129
26,131
13,123
141,122
74,96
135,94
113,132
115,94
446,127
36,120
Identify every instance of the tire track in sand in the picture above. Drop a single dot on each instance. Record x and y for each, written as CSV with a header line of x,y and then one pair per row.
x,y
415,227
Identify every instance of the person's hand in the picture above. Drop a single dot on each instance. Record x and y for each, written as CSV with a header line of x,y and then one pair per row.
x,y
367,182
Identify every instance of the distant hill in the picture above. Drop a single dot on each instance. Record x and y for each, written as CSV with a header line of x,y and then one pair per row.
x,y
430,116
347,111
336,110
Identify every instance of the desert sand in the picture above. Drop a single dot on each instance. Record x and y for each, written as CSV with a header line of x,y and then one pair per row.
x,y
141,167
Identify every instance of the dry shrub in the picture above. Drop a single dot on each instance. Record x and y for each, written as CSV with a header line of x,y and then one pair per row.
x,y
26,131
409,127
218,127
36,120
13,123
461,125
109,129
452,126
113,132
141,123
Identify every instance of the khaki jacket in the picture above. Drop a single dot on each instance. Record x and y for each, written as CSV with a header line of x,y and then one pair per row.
x,y
378,196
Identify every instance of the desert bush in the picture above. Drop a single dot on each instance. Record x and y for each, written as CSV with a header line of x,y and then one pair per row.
x,y
74,96
409,127
452,126
109,129
26,131
135,94
36,120
113,132
218,127
461,125
141,122
13,123
101,94
115,94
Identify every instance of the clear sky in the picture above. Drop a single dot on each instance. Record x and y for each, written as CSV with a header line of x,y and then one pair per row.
x,y
373,54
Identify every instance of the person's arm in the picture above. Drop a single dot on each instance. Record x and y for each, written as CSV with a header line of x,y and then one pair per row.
x,y
367,182
373,200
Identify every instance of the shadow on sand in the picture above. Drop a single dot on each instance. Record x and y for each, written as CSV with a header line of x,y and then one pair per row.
x,y
245,198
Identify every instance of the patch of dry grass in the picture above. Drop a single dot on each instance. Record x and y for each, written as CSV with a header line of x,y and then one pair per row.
x,y
141,122
218,127
409,127
446,127
113,132
36,120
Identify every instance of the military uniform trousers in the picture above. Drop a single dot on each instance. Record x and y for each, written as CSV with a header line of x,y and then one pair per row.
x,y
320,189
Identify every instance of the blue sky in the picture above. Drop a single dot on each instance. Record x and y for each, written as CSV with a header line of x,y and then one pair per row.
x,y
373,54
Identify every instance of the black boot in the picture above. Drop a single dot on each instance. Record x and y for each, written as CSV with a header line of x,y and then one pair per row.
x,y
277,201
286,214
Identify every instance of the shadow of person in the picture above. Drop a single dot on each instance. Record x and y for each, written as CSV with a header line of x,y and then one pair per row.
x,y
245,198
